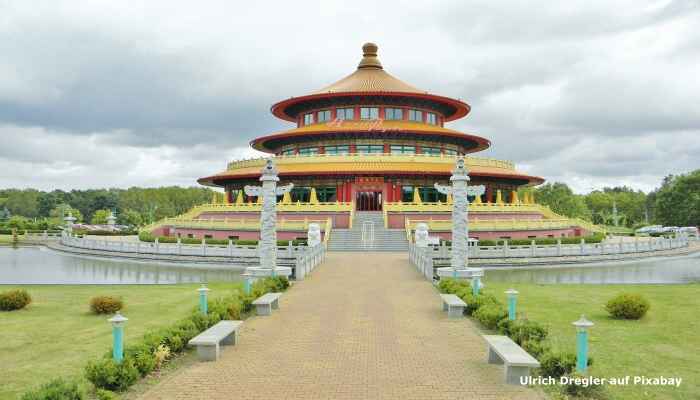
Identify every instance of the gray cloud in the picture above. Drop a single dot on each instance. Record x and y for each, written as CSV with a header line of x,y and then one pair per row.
x,y
165,92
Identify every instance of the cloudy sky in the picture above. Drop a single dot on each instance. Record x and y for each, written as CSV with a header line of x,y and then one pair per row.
x,y
121,93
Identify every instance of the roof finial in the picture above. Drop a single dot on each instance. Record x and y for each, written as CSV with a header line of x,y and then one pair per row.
x,y
369,57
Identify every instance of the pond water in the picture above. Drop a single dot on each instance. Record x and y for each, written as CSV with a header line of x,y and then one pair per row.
x,y
682,269
39,265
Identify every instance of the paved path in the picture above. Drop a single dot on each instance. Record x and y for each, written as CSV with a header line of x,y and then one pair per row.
x,y
362,326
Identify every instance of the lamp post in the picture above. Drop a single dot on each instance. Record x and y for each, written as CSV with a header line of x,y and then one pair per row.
x,y
118,322
512,299
582,326
203,305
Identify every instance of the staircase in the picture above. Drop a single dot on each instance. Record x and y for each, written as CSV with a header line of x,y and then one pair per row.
x,y
368,234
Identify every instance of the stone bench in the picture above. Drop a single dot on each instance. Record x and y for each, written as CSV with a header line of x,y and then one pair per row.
x,y
517,362
208,342
453,305
266,303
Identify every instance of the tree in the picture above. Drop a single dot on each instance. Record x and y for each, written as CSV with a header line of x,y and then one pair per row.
x,y
61,211
562,200
129,217
678,200
100,217
18,221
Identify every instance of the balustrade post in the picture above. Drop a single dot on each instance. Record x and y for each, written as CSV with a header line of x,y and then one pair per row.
x,y
157,246
505,248
204,246
636,244
582,246
558,247
533,248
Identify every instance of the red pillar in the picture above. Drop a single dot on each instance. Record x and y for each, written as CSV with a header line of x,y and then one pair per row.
x,y
387,149
489,194
348,191
388,192
397,193
339,193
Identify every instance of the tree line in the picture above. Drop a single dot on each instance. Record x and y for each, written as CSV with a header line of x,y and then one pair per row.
x,y
675,203
134,206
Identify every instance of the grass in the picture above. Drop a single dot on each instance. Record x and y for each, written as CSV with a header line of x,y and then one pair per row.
x,y
663,343
56,334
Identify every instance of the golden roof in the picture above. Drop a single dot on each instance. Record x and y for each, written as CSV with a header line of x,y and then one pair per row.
x,y
369,77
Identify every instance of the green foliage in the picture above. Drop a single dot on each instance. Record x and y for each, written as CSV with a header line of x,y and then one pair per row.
x,y
99,217
523,330
677,202
18,222
129,217
490,315
110,375
562,200
557,364
627,306
14,300
105,304
103,394
57,389
535,348
577,389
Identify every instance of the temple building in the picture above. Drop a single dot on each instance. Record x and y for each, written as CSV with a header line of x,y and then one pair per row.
x,y
373,143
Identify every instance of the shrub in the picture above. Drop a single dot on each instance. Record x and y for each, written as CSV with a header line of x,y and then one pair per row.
x,y
276,283
587,390
57,389
246,242
105,304
143,358
110,375
476,302
14,300
146,237
490,315
523,330
557,364
627,306
102,394
535,348
161,354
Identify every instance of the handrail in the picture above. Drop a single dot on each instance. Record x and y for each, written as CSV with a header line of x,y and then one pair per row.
x,y
356,157
241,223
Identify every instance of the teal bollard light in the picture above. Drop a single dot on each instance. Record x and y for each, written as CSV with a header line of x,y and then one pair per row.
x,y
512,299
118,322
476,285
203,303
247,283
582,326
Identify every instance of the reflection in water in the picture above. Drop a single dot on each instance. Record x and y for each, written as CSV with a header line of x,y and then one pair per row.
x,y
684,269
35,265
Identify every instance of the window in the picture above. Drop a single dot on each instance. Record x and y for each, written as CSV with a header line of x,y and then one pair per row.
x,y
431,195
345,113
340,149
450,152
431,118
433,151
393,113
407,194
326,194
289,152
308,119
307,151
401,149
302,194
324,116
415,115
369,113
370,148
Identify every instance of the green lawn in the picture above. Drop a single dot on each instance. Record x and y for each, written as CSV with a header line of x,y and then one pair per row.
x,y
665,342
56,334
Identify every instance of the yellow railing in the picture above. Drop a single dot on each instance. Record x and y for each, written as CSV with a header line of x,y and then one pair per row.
x,y
357,157
242,223
497,225
281,207
473,207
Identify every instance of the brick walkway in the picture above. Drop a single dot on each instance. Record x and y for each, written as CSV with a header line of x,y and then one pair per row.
x,y
362,326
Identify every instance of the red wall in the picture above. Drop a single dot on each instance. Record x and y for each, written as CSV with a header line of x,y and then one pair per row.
x,y
340,220
397,220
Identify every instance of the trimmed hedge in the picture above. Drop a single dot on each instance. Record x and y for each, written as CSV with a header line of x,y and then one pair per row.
x,y
140,357
14,300
597,238
105,304
148,237
627,306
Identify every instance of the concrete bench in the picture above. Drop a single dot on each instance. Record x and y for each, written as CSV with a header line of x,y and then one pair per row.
x,y
207,342
517,362
453,305
266,303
